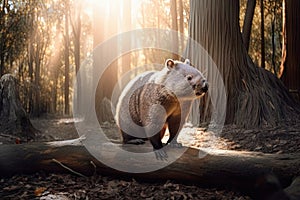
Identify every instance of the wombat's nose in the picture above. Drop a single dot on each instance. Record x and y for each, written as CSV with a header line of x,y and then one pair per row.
x,y
205,88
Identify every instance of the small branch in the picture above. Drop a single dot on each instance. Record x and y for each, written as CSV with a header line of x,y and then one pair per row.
x,y
67,168
73,142
95,167
8,136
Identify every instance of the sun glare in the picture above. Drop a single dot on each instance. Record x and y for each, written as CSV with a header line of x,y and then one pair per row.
x,y
104,7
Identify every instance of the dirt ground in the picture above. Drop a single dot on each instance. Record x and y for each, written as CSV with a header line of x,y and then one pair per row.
x,y
279,139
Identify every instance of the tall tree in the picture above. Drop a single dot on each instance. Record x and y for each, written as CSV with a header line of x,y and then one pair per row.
x,y
291,73
126,26
38,42
254,96
181,20
174,25
248,22
262,34
76,29
283,49
110,76
14,30
67,58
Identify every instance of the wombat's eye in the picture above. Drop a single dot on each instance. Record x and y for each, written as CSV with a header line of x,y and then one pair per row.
x,y
189,77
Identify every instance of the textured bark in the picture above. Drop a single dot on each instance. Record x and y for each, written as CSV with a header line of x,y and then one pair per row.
x,y
283,43
262,34
255,97
246,171
13,118
248,22
291,73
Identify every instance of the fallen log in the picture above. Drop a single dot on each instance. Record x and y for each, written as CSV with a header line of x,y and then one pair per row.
x,y
207,167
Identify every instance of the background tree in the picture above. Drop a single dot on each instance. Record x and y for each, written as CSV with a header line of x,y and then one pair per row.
x,y
273,39
126,25
248,20
109,78
291,73
262,34
32,43
36,50
67,57
174,16
14,31
255,97
14,120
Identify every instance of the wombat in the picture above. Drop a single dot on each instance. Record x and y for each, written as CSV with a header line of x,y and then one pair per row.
x,y
157,100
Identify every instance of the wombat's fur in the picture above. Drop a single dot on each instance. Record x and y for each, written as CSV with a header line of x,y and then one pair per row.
x,y
154,101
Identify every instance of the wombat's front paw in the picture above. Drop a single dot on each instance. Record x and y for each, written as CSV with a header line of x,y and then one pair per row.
x,y
175,145
161,154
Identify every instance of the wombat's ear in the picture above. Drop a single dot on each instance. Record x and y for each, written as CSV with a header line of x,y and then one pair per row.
x,y
170,64
187,61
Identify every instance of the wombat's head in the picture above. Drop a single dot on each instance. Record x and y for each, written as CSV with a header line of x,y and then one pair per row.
x,y
193,85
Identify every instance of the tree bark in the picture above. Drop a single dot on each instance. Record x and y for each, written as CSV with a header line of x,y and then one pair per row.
x,y
181,21
255,97
174,26
67,59
30,71
217,168
76,27
262,34
291,73
14,121
283,49
248,22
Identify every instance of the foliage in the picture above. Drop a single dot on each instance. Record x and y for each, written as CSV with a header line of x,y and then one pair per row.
x,y
32,49
32,36
15,21
273,17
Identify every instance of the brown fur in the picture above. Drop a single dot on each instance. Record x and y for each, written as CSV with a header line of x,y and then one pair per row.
x,y
173,89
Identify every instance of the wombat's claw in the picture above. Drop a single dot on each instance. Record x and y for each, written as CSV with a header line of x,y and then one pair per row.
x,y
175,145
136,141
161,154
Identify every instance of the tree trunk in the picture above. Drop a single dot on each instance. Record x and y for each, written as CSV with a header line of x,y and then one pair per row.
x,y
262,34
283,49
217,168
2,39
181,21
291,73
110,76
76,28
126,26
255,97
273,43
30,71
246,34
14,120
77,36
174,26
37,82
1,58
67,59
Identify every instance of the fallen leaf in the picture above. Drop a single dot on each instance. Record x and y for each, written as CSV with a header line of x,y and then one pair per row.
x,y
39,191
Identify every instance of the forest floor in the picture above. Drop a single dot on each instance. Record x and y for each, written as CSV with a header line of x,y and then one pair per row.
x,y
277,140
